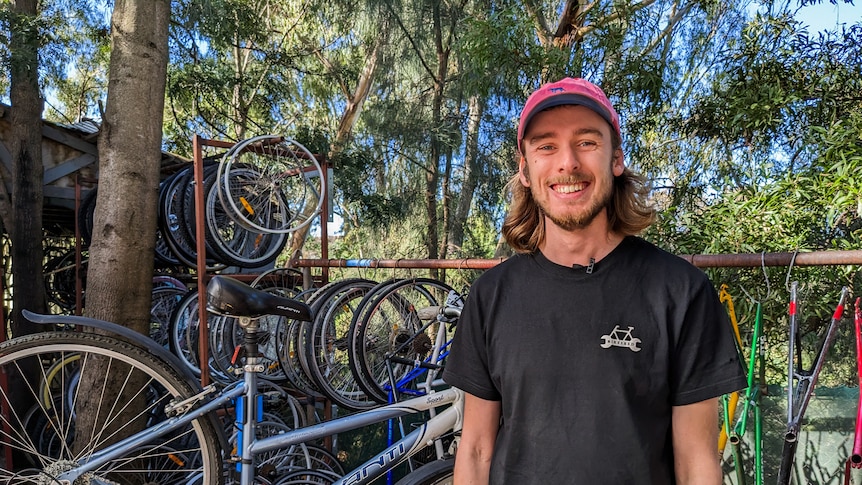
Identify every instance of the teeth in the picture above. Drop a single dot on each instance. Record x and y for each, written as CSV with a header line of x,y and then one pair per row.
x,y
568,189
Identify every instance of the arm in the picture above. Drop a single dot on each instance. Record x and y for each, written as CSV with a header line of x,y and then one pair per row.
x,y
695,434
478,435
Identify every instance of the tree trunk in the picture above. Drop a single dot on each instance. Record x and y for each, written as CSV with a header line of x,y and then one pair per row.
x,y
24,221
28,288
476,109
353,107
121,252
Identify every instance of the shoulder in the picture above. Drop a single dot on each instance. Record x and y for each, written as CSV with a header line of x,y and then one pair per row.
x,y
649,254
659,268
507,278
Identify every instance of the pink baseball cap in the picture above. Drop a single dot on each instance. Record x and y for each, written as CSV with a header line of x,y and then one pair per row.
x,y
567,91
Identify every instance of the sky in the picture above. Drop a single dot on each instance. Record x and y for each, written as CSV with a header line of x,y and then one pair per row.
x,y
825,15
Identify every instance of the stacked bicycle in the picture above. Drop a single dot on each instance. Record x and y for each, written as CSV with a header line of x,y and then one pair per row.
x,y
150,422
338,355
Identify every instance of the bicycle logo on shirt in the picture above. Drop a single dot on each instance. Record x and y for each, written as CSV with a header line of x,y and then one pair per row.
x,y
621,338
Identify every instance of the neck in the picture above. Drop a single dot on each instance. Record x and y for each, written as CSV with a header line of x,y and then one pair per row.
x,y
583,246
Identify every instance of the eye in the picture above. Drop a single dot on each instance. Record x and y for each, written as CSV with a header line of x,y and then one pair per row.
x,y
545,147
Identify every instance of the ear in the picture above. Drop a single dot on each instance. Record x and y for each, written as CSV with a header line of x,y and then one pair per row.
x,y
618,162
523,172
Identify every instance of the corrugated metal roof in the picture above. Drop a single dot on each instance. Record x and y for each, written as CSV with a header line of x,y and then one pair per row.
x,y
86,125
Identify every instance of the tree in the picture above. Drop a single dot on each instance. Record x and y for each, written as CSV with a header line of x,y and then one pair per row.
x,y
24,223
122,249
778,129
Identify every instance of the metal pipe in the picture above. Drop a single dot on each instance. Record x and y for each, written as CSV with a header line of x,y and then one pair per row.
x,y
753,260
399,263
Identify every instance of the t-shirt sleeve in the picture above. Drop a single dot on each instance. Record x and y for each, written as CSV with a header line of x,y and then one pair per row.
x,y
467,362
706,358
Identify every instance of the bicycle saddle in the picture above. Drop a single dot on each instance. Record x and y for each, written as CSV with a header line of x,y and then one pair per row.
x,y
229,296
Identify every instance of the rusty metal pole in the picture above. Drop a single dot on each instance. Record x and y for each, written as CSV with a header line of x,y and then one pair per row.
x,y
203,339
741,260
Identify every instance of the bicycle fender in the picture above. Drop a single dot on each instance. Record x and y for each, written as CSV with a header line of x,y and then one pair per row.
x,y
126,333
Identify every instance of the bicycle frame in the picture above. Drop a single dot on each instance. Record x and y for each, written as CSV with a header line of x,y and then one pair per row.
x,y
853,468
443,316
245,394
799,395
752,399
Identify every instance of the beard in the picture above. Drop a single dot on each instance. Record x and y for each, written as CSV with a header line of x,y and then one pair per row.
x,y
571,220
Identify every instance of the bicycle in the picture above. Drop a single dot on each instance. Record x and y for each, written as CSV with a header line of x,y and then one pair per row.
x,y
801,381
177,437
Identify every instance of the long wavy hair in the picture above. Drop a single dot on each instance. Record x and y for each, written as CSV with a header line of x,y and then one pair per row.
x,y
629,212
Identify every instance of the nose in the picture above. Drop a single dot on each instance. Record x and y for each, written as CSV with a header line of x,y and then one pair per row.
x,y
569,160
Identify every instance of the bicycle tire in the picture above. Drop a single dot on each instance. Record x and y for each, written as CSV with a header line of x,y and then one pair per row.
x,y
437,472
225,335
231,242
171,219
163,254
282,281
280,193
60,280
176,209
185,321
308,477
86,216
23,357
316,301
327,348
56,380
164,300
189,215
389,320
221,331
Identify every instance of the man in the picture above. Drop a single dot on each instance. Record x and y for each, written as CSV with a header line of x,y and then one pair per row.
x,y
591,356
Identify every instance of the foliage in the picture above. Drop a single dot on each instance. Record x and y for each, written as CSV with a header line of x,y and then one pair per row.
x,y
816,209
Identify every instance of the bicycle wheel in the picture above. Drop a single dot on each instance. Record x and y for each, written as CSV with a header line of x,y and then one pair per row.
x,y
271,184
288,356
137,378
308,477
389,321
58,379
185,332
232,243
86,213
224,335
438,472
317,302
280,281
326,346
269,464
60,278
164,300
171,220
176,209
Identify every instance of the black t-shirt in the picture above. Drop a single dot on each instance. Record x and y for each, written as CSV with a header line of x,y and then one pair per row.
x,y
588,365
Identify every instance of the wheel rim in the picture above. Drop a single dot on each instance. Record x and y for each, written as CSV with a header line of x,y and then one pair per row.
x,y
48,437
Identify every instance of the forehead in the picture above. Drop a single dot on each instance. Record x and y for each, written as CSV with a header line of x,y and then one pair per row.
x,y
566,120
567,117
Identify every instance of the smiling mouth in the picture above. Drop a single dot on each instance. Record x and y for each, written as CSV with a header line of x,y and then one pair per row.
x,y
569,188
